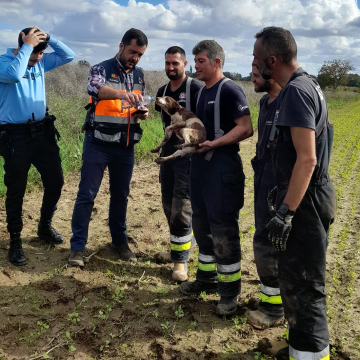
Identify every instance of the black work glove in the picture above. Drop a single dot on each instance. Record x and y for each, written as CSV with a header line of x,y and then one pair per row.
x,y
279,229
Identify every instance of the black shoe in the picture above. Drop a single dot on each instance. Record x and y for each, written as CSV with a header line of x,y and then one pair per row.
x,y
197,287
16,253
49,234
227,306
124,252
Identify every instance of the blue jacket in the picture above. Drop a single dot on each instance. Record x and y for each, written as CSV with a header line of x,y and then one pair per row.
x,y
22,88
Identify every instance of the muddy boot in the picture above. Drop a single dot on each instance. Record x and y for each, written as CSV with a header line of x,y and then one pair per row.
x,y
279,349
162,257
253,303
227,306
76,258
16,253
197,287
261,321
49,234
180,272
124,252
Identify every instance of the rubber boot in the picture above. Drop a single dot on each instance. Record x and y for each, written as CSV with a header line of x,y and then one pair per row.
x,y
16,253
227,306
277,348
180,272
259,320
162,257
197,287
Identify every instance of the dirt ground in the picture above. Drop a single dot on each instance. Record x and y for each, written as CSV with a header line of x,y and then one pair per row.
x,y
116,310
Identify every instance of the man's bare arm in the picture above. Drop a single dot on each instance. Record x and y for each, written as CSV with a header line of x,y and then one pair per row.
x,y
108,93
304,143
241,131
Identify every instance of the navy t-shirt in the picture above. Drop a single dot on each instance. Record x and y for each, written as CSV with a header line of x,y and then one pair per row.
x,y
265,122
233,105
180,96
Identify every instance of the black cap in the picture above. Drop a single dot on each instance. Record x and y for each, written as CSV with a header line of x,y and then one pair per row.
x,y
40,47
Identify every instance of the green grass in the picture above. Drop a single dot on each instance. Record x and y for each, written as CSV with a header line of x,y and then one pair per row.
x,y
70,114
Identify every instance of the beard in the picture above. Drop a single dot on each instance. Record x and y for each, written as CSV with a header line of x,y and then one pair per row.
x,y
267,72
125,62
264,87
175,76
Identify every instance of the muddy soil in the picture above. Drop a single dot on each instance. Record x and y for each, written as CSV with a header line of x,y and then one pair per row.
x,y
112,309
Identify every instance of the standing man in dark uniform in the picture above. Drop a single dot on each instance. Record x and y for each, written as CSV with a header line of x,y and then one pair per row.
x,y
217,179
111,132
270,310
174,175
305,204
27,132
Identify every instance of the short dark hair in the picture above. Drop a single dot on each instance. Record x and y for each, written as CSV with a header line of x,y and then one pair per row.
x,y
137,34
40,47
278,42
176,50
213,50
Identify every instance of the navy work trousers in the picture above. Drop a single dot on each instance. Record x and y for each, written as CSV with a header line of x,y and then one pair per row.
x,y
217,195
174,179
96,157
42,152
266,256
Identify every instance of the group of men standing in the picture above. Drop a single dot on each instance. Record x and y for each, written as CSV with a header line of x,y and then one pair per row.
x,y
295,200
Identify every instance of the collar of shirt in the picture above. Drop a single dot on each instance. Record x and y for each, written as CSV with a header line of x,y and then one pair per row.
x,y
128,78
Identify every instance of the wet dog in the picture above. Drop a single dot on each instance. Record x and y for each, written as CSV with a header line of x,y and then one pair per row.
x,y
192,130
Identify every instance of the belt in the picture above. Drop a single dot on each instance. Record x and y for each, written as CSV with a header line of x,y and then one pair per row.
x,y
23,129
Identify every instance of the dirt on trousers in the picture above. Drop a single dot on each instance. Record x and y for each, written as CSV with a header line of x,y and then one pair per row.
x,y
117,310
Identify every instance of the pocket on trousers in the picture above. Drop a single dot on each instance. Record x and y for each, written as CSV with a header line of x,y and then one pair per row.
x,y
233,191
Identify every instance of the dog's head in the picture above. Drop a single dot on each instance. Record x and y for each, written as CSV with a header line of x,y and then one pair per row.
x,y
168,104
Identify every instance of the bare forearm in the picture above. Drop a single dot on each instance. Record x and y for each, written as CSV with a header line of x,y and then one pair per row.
x,y
108,93
299,182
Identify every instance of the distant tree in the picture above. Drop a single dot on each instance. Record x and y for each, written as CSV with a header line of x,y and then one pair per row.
x,y
190,70
84,63
353,80
334,73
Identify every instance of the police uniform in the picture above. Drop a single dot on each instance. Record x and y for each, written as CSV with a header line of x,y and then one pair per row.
x,y
266,257
302,266
217,191
28,134
174,176
109,142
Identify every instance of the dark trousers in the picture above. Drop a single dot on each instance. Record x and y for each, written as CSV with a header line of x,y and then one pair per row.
x,y
217,195
302,269
266,257
43,152
174,179
96,157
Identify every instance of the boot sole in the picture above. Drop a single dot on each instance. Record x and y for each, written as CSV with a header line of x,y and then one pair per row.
x,y
267,326
208,291
50,242
19,264
226,313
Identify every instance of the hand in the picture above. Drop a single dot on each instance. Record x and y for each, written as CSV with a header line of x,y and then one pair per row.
x,y
34,38
131,97
279,229
205,146
143,116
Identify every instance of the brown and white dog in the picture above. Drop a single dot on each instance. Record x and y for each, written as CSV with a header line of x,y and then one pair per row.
x,y
192,130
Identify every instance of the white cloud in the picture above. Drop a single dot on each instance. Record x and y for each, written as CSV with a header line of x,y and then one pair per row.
x,y
323,29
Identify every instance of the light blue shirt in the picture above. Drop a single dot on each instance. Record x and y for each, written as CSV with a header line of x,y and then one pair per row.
x,y
22,88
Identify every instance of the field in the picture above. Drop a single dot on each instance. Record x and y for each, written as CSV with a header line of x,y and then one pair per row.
x,y
115,310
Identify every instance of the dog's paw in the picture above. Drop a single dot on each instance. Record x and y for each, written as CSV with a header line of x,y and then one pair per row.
x,y
159,160
154,151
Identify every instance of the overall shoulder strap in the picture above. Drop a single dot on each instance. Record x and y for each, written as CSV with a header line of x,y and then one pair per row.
x,y
218,132
188,97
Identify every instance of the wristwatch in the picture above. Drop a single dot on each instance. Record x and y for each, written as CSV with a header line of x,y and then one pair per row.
x,y
284,210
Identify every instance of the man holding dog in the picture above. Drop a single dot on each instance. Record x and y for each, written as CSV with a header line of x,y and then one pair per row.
x,y
217,179
174,175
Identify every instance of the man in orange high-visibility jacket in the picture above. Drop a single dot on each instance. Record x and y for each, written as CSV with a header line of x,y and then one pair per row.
x,y
109,142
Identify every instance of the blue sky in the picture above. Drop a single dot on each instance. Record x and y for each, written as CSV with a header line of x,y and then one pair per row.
x,y
323,29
